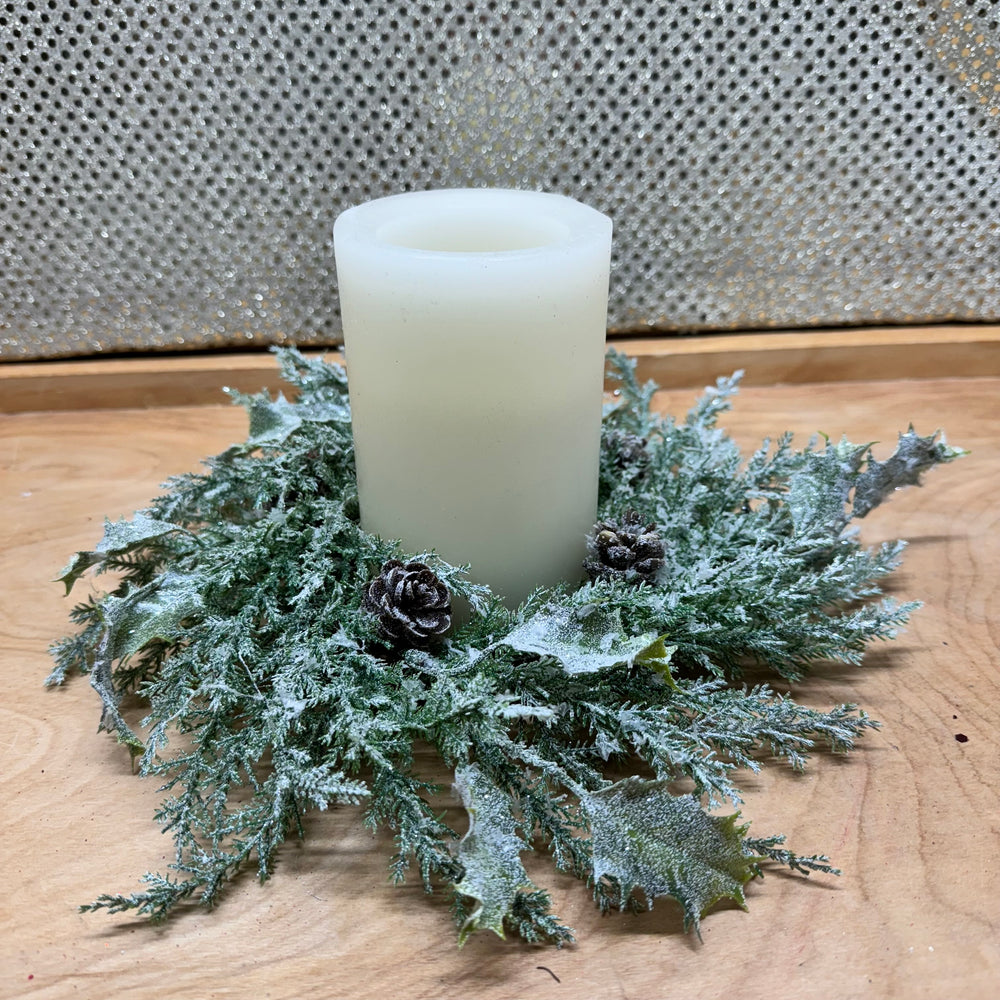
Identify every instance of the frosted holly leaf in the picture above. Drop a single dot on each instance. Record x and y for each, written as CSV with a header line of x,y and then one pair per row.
x,y
913,455
490,853
122,535
818,491
272,422
644,837
119,537
588,638
129,623
151,613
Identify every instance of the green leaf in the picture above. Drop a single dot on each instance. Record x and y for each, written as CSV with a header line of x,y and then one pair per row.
x,y
657,656
490,853
666,845
129,623
913,455
818,491
272,422
149,613
587,638
122,535
76,567
119,537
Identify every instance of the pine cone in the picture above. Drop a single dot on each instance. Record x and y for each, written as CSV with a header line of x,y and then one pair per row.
x,y
412,605
626,550
627,449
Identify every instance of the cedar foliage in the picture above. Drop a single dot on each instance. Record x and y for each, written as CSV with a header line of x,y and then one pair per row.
x,y
238,616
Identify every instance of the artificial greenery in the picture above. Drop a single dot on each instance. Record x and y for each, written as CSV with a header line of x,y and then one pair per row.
x,y
245,615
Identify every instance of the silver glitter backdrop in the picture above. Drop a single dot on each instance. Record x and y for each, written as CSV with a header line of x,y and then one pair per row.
x,y
170,171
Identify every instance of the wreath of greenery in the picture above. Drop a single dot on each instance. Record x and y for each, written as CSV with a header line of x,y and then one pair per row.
x,y
247,613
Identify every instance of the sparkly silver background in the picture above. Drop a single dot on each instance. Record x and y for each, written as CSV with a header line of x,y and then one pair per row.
x,y
170,171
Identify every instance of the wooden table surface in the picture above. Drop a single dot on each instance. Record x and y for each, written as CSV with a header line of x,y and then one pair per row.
x,y
912,817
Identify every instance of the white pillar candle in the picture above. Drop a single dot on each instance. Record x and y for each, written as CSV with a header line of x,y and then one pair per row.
x,y
474,330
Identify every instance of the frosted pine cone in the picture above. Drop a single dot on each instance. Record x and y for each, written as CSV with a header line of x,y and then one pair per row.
x,y
412,605
627,449
624,550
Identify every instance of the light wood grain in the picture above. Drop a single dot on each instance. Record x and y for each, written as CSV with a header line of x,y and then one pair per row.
x,y
796,357
860,355
913,817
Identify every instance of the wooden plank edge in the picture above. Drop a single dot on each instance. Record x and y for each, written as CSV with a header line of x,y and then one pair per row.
x,y
794,357
797,358
137,383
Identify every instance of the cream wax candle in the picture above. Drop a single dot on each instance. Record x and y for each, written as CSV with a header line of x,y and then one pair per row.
x,y
474,329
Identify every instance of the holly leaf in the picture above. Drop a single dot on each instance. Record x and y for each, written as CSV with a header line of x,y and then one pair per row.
x,y
913,455
150,613
131,622
119,537
818,491
490,854
643,837
588,638
273,421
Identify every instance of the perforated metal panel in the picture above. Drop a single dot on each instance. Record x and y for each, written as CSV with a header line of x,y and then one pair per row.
x,y
170,172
